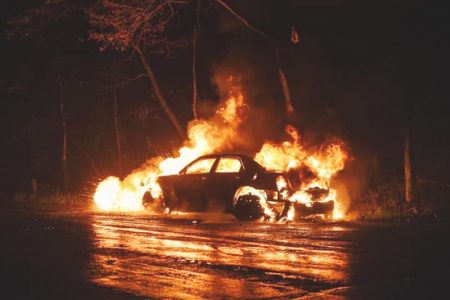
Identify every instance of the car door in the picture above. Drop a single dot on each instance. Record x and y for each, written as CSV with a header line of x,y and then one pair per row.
x,y
225,178
191,185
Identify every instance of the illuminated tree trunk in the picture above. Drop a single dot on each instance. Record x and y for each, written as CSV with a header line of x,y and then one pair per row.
x,y
194,74
410,176
64,163
157,91
287,94
116,130
409,171
194,60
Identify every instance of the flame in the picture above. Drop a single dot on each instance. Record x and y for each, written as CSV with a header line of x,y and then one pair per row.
x,y
284,156
324,164
206,136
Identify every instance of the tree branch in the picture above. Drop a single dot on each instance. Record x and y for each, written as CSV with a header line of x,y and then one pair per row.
x,y
244,21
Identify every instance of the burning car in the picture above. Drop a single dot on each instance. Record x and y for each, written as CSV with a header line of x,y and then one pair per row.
x,y
235,183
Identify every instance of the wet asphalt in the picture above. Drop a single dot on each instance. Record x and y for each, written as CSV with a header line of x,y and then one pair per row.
x,y
89,255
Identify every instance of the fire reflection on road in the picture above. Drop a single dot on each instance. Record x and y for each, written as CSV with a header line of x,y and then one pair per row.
x,y
177,259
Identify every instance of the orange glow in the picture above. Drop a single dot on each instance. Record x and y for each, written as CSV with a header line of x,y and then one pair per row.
x,y
201,167
206,136
143,250
284,156
228,165
324,164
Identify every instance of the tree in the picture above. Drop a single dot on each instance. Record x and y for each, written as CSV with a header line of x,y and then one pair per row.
x,y
408,155
139,25
64,139
116,81
194,58
294,38
34,24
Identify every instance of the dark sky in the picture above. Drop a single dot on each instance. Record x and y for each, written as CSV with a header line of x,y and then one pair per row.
x,y
357,64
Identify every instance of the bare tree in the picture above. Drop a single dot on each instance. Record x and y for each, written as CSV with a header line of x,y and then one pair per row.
x,y
283,80
112,74
116,127
194,59
32,25
139,25
62,113
287,94
408,155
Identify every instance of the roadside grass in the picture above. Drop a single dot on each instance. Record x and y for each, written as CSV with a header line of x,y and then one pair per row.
x,y
387,201
383,201
48,201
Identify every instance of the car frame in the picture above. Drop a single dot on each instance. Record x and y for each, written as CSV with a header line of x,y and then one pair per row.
x,y
237,190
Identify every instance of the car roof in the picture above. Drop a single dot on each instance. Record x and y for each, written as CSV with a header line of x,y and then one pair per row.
x,y
217,155
247,160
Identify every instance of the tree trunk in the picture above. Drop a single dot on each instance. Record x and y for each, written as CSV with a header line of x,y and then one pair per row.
x,y
116,130
409,193
64,164
62,114
410,176
194,60
194,74
287,94
65,168
159,96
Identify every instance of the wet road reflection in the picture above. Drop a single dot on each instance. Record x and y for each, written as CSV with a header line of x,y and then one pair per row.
x,y
177,259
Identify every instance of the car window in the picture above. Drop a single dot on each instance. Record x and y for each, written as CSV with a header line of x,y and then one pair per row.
x,y
201,167
228,165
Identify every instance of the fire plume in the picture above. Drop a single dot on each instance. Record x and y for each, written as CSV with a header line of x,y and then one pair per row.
x,y
321,166
206,136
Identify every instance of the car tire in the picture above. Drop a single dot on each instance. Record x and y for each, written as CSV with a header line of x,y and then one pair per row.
x,y
147,199
152,204
247,207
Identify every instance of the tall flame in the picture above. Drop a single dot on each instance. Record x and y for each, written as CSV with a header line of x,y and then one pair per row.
x,y
216,134
204,137
290,156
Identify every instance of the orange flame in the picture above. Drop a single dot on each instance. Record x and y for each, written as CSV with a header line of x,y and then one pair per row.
x,y
215,134
324,164
204,137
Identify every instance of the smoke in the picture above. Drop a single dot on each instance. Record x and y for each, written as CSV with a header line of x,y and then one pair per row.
x,y
265,117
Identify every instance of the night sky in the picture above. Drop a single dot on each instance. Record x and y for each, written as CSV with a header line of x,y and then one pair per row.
x,y
356,68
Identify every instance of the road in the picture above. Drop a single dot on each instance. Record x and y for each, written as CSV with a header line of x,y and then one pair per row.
x,y
89,255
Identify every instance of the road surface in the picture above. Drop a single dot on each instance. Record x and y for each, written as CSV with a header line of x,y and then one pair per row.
x,y
89,255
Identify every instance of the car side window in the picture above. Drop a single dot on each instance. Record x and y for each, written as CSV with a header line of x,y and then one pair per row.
x,y
201,167
229,165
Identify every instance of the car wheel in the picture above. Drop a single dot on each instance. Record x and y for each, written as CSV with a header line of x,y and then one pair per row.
x,y
247,205
147,199
152,204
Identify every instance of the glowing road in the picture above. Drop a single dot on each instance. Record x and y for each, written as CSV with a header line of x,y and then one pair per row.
x,y
91,255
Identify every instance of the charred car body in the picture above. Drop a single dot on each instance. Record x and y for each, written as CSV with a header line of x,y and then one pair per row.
x,y
232,183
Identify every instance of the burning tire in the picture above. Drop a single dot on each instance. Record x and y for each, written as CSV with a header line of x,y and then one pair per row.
x,y
247,204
